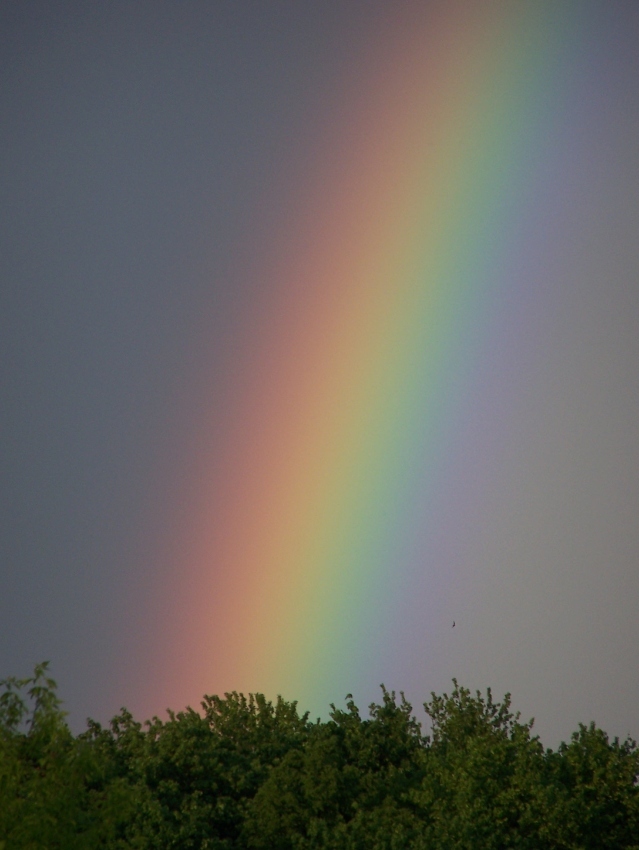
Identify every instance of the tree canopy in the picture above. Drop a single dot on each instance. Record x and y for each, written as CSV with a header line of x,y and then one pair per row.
x,y
244,772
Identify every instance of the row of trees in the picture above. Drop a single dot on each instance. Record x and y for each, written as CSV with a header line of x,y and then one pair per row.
x,y
247,773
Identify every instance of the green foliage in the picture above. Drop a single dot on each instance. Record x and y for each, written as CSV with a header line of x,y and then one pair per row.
x,y
596,799
483,777
45,801
249,774
348,787
192,776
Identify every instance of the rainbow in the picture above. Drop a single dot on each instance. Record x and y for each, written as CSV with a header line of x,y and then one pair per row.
x,y
308,547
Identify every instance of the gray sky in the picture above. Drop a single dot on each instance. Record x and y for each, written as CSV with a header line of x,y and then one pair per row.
x,y
146,148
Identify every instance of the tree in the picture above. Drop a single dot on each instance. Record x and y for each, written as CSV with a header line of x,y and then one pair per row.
x,y
483,774
193,775
247,774
595,798
347,787
44,801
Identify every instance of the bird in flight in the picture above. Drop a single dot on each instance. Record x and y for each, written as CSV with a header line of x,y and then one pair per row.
x,y
453,626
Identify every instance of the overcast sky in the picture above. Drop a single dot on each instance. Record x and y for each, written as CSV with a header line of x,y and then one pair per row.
x,y
145,149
